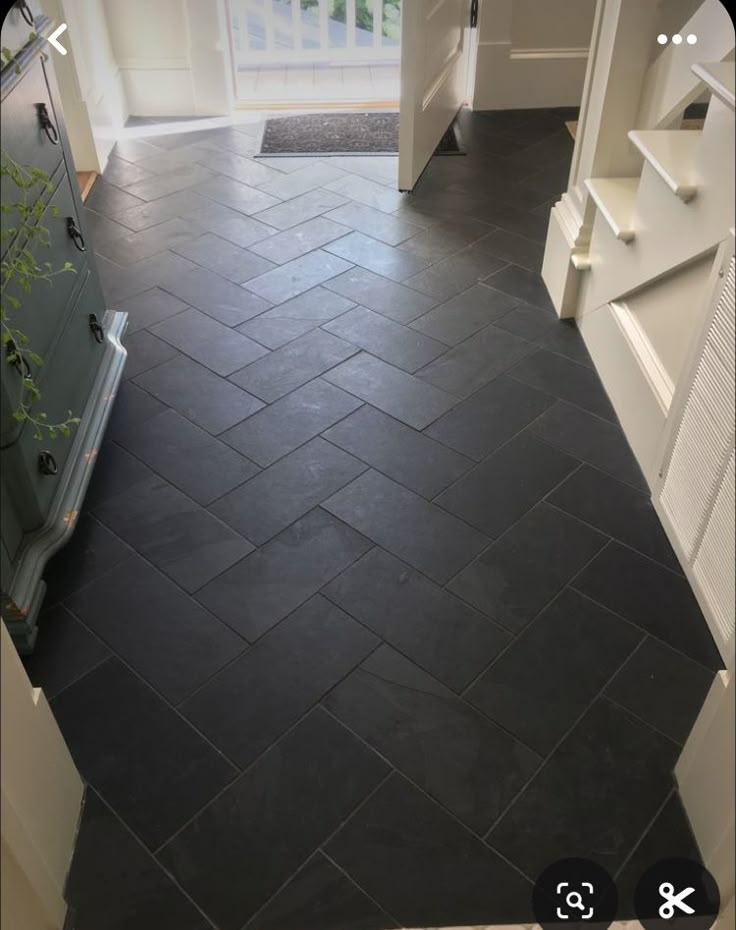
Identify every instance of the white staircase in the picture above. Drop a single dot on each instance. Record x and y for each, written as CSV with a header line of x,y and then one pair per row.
x,y
679,207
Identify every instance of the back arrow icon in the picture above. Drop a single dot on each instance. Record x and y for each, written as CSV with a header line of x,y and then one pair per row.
x,y
54,37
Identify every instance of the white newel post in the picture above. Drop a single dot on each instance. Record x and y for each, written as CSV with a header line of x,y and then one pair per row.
x,y
622,43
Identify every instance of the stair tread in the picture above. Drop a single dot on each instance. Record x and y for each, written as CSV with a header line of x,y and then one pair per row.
x,y
672,154
720,76
615,198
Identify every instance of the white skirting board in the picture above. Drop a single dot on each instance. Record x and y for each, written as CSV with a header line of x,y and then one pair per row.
x,y
509,78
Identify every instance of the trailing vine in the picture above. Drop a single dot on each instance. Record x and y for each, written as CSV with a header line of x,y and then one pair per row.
x,y
22,228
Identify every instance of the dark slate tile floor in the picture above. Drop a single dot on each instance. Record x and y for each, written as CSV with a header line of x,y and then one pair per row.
x,y
369,617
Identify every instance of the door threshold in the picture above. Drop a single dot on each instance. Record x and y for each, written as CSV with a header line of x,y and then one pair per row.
x,y
319,105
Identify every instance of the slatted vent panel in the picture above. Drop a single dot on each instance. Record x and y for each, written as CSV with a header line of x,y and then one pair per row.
x,y
716,557
705,437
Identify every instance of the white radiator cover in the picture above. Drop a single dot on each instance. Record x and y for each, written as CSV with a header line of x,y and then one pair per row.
x,y
695,494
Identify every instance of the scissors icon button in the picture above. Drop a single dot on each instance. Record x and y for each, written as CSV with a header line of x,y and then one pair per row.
x,y
672,901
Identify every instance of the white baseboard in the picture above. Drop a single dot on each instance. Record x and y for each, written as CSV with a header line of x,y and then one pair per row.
x,y
631,381
508,78
159,92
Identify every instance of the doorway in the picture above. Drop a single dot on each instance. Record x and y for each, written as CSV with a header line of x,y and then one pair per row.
x,y
306,53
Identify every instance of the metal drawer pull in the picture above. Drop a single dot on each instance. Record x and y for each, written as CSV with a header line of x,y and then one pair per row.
x,y
25,12
47,463
96,327
20,362
48,127
75,233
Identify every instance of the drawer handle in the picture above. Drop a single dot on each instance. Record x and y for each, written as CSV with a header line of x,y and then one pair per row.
x,y
47,463
75,233
96,327
25,12
20,362
48,127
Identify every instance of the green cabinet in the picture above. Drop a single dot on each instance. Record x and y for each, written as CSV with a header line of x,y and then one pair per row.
x,y
43,481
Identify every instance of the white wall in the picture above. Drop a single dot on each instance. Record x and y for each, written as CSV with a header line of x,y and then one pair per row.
x,y
173,56
531,53
89,81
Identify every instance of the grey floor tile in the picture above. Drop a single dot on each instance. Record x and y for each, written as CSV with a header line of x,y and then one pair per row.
x,y
133,406
291,421
237,196
507,484
424,867
397,393
293,365
375,223
103,230
561,814
201,396
455,274
377,293
173,159
134,149
546,330
446,238
178,536
573,641
279,805
109,200
114,471
663,688
174,643
124,250
520,573
229,224
175,180
302,179
317,306
391,341
295,277
465,314
64,652
433,628
592,439
321,897
300,209
108,871
275,332
188,457
463,761
150,307
413,529
401,453
291,243
470,365
312,650
566,380
147,214
207,341
368,192
655,598
512,247
522,284
221,299
246,170
159,270
279,495
618,510
223,257
377,257
495,413
146,762
276,579
145,351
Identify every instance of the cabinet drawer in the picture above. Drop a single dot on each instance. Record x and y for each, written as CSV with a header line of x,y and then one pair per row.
x,y
67,385
29,126
16,26
44,310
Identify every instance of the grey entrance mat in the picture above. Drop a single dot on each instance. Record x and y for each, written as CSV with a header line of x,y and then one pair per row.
x,y
341,134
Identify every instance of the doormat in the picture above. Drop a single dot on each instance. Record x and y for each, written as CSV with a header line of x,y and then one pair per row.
x,y
342,134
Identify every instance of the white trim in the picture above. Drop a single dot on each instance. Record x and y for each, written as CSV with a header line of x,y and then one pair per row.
x,y
649,361
545,54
